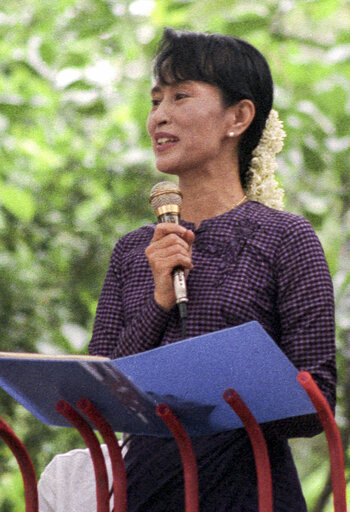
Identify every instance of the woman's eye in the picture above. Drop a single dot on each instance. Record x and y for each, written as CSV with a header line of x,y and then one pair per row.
x,y
180,96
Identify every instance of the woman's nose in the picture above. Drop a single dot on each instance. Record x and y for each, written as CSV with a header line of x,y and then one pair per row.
x,y
162,114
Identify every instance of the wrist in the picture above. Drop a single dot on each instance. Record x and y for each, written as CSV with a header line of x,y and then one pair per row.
x,y
164,302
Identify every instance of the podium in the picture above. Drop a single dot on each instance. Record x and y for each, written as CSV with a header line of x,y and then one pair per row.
x,y
234,378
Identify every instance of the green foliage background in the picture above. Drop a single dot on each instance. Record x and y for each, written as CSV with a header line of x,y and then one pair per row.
x,y
76,168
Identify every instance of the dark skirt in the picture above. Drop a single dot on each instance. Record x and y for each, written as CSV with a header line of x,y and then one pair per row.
x,y
226,472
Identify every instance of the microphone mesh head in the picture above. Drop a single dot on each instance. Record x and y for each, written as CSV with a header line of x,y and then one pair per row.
x,y
164,193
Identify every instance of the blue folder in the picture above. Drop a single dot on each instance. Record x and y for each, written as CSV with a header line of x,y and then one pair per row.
x,y
189,376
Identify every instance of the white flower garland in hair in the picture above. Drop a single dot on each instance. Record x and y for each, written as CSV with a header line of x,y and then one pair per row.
x,y
262,185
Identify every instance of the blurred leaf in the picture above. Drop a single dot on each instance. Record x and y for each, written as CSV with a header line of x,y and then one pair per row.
x,y
320,9
247,23
18,201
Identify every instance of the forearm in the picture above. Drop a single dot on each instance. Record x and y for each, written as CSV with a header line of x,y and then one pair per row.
x,y
142,333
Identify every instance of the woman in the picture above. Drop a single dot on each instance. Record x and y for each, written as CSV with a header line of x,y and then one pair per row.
x,y
245,261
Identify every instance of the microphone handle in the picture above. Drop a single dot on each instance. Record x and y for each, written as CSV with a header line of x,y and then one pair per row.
x,y
178,272
174,218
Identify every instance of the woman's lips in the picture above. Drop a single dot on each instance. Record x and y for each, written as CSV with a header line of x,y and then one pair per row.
x,y
164,141
165,145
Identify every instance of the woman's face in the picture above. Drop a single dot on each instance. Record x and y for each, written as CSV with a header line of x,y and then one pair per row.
x,y
188,125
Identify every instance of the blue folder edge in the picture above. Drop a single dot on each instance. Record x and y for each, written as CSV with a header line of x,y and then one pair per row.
x,y
189,376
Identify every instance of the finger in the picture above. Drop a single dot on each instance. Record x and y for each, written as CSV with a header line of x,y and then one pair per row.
x,y
171,240
167,264
189,236
166,228
170,259
161,250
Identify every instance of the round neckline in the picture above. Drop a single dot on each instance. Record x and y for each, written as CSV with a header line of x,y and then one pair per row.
x,y
190,225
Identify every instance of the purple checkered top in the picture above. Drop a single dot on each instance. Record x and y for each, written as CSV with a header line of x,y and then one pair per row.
x,y
251,263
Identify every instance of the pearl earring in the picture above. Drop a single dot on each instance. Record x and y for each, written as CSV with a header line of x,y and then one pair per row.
x,y
231,134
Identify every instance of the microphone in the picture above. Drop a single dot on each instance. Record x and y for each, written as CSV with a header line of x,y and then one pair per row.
x,y
166,200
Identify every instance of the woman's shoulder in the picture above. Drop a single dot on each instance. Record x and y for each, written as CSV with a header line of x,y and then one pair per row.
x,y
140,237
282,234
278,221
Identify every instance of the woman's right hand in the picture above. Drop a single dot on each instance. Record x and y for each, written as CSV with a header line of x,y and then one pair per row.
x,y
170,247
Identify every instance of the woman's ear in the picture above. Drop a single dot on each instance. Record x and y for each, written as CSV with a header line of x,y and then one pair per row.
x,y
240,117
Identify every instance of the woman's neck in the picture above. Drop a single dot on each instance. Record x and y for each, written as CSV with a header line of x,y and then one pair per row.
x,y
208,196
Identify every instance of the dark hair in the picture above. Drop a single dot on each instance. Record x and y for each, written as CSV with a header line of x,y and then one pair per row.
x,y
235,66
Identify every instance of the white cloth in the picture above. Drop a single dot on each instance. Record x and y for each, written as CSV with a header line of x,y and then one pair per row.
x,y
68,484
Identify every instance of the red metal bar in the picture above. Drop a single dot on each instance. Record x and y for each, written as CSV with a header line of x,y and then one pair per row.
x,y
261,456
26,466
115,453
333,439
102,492
188,458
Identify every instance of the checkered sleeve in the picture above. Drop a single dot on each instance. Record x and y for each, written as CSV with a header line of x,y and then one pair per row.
x,y
112,336
306,306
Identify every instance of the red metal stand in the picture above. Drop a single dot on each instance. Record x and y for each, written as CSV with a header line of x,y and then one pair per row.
x,y
102,492
189,464
26,466
261,456
333,439
188,458
118,467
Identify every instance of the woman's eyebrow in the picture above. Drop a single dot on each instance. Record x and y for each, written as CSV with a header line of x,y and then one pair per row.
x,y
156,89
